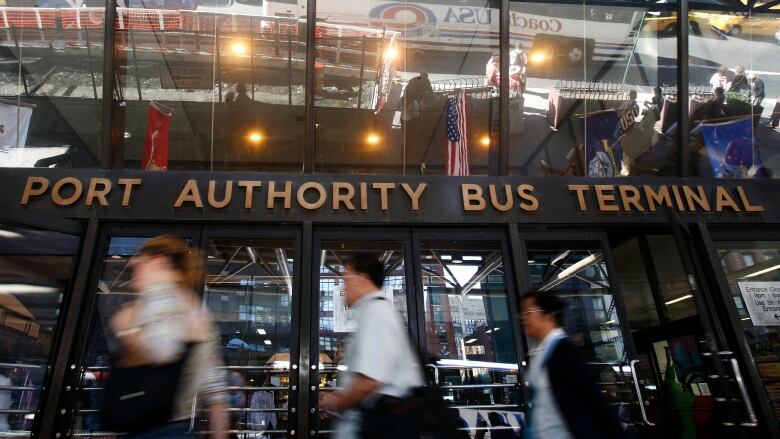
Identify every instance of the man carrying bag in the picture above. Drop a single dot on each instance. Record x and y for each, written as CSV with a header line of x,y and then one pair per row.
x,y
383,372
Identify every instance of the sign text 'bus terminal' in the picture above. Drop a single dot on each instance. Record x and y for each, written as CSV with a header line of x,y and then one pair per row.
x,y
364,196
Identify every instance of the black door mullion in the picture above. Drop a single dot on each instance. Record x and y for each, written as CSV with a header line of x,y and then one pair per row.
x,y
417,302
620,305
736,337
47,422
79,323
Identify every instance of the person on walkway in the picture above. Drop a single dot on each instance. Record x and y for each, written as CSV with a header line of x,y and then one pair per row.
x,y
720,79
739,82
565,401
382,367
756,88
167,323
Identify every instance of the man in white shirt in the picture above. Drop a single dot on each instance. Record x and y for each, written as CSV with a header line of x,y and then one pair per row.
x,y
721,78
382,367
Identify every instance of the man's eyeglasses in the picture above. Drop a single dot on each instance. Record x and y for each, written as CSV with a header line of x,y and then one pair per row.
x,y
530,311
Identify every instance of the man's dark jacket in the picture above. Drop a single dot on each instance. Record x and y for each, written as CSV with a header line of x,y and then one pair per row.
x,y
579,398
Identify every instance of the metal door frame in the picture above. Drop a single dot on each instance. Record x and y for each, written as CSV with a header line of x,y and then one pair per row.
x,y
60,410
72,296
309,399
293,233
704,240
597,237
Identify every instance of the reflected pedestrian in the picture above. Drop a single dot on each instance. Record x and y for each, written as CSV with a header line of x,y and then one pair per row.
x,y
756,89
166,330
720,78
739,83
382,367
241,94
565,401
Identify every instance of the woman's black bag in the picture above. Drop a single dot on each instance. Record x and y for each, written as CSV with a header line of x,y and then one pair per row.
x,y
142,397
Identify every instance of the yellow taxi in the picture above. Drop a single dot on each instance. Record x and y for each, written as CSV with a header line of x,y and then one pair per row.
x,y
666,22
736,23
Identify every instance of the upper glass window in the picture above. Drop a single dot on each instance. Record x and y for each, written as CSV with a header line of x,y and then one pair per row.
x,y
733,92
402,88
51,83
589,84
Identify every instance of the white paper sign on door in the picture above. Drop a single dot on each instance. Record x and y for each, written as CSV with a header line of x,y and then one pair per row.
x,y
344,318
762,300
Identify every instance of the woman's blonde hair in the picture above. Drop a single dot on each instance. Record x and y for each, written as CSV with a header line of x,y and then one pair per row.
x,y
739,70
183,259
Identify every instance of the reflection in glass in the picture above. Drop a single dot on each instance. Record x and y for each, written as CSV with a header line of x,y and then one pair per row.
x,y
469,332
385,71
35,266
209,86
51,83
734,90
335,323
587,87
248,290
754,261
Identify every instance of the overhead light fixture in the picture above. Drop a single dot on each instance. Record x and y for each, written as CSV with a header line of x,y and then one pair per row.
x,y
679,299
373,139
496,329
746,318
446,257
489,331
531,261
127,135
267,342
760,272
484,140
26,289
457,259
392,53
255,137
238,48
261,331
116,257
611,322
537,57
471,340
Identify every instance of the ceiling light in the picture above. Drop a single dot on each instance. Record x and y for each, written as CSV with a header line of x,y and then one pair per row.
x,y
261,331
746,318
373,139
531,261
611,322
268,342
9,234
471,340
238,48
116,257
255,137
679,299
392,53
25,289
457,259
489,331
485,140
446,257
496,329
760,272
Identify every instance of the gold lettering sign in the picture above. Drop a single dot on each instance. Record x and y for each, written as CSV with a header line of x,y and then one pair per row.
x,y
497,198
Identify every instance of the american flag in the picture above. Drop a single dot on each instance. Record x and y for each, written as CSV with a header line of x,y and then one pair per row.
x,y
457,138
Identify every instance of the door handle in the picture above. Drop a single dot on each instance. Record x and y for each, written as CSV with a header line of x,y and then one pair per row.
x,y
745,397
639,394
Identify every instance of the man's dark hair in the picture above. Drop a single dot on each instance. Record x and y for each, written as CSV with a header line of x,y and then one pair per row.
x,y
548,303
368,264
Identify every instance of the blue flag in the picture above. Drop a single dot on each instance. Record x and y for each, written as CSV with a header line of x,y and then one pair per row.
x,y
601,136
731,147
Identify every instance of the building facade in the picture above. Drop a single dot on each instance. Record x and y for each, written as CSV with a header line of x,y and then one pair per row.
x,y
481,149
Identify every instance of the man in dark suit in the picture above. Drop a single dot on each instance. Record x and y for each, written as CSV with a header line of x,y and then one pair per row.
x,y
565,401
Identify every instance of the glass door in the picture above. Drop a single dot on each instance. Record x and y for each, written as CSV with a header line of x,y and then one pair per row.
x,y
638,314
752,271
36,271
332,319
467,306
250,288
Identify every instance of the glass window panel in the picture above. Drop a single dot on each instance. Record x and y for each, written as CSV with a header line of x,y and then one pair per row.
x,y
733,132
230,76
113,292
51,84
582,80
469,332
756,261
334,321
248,289
35,268
372,115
